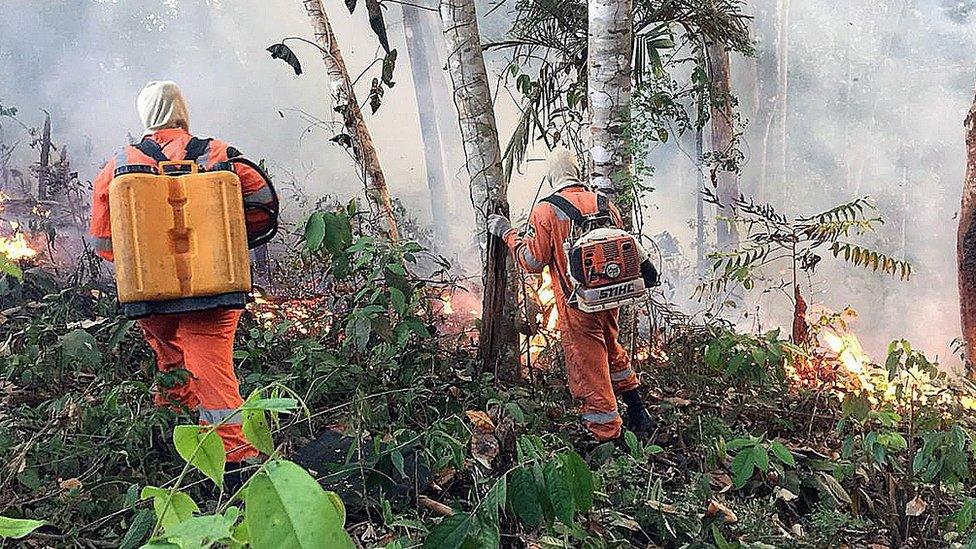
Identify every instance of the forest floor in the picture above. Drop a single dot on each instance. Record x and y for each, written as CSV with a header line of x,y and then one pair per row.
x,y
759,443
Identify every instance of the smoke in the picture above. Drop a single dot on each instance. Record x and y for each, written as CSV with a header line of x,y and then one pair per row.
x,y
877,93
86,60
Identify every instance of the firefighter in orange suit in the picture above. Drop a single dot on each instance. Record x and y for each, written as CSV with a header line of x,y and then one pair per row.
x,y
599,368
202,342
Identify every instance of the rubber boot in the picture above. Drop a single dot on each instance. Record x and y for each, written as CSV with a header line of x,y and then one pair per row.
x,y
636,418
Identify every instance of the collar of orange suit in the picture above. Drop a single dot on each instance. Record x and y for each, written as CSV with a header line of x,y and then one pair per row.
x,y
165,136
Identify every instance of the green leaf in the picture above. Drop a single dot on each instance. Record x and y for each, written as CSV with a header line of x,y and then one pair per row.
x,y
142,523
170,509
203,531
563,502
271,404
633,444
761,457
450,533
80,346
18,528
338,232
484,535
743,467
782,453
314,231
523,499
257,431
201,447
286,508
399,301
580,480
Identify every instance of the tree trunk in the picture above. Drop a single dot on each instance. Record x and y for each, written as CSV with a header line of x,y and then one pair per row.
x,y
782,95
723,135
44,167
966,247
489,190
419,48
611,43
344,98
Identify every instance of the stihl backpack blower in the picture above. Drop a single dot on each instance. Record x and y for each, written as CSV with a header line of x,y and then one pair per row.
x,y
604,260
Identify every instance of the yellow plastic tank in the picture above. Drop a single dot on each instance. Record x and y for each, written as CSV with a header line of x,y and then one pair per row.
x,y
179,241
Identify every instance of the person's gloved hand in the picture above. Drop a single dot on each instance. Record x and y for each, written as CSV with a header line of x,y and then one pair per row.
x,y
498,225
650,275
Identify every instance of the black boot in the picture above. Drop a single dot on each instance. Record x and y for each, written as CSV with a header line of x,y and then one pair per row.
x,y
236,473
636,418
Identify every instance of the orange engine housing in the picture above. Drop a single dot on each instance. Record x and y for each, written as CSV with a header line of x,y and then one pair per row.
x,y
605,261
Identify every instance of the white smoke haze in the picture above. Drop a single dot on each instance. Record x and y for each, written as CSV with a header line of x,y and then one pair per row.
x,y
877,94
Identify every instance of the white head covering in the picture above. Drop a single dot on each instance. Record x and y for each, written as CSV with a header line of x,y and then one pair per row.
x,y
161,106
563,169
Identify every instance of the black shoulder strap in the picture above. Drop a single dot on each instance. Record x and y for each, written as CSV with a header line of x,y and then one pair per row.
x,y
151,149
565,206
195,148
602,203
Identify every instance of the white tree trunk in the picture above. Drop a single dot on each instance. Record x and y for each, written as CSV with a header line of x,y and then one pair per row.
x,y
611,43
420,49
489,189
344,99
783,71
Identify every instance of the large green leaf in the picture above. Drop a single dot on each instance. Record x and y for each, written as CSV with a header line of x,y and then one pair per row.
x,y
286,508
563,502
170,510
141,525
257,431
743,467
450,533
17,528
79,346
202,448
203,531
338,232
523,499
314,231
580,480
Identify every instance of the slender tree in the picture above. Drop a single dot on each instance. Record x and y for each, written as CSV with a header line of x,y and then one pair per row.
x,y
344,99
723,137
610,47
483,159
420,49
966,247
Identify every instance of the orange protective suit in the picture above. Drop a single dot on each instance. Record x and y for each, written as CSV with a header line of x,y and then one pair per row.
x,y
200,342
596,363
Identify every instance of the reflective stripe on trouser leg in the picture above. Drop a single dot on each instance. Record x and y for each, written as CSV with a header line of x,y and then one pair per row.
x,y
208,345
621,375
589,370
103,244
225,416
601,417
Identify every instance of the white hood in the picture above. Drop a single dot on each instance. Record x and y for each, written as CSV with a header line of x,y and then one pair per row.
x,y
563,169
161,106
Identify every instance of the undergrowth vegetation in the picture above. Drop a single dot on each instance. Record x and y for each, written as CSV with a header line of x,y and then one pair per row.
x,y
747,453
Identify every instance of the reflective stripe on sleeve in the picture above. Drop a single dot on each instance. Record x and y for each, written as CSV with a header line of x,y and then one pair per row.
x,y
103,244
218,415
260,196
622,375
601,417
530,260
204,159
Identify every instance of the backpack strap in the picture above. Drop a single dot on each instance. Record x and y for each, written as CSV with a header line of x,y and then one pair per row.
x,y
195,148
151,149
565,206
602,203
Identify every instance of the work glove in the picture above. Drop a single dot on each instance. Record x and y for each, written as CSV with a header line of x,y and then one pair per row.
x,y
650,275
499,225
